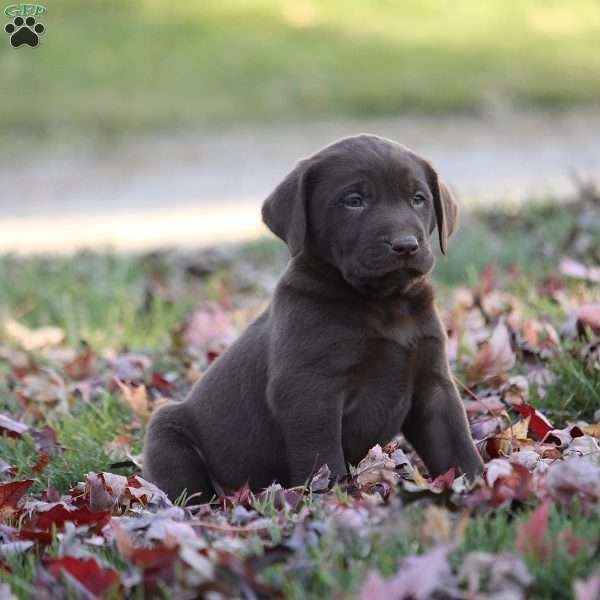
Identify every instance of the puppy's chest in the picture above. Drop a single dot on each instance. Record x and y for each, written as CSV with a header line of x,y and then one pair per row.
x,y
384,363
395,324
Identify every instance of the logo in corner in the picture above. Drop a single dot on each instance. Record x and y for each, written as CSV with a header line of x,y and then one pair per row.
x,y
25,29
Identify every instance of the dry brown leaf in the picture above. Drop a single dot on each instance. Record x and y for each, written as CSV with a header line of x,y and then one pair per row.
x,y
495,358
439,528
137,398
33,339
577,270
512,438
593,430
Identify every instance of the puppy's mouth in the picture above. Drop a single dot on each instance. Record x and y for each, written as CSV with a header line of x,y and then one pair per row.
x,y
390,274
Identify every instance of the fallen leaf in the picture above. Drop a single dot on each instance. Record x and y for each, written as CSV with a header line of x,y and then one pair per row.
x,y
588,589
496,357
417,578
137,399
81,366
531,533
494,576
577,270
593,430
207,326
582,318
43,516
12,428
320,481
576,478
41,463
163,385
131,367
539,425
509,440
10,494
33,339
95,579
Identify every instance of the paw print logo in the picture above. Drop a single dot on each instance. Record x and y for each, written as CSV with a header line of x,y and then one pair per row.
x,y
24,31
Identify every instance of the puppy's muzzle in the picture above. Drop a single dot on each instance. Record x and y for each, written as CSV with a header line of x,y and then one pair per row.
x,y
407,245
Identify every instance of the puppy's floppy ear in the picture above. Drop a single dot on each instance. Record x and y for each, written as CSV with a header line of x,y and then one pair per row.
x,y
446,209
284,211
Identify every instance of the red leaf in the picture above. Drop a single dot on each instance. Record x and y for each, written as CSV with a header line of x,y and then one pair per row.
x,y
212,355
241,496
577,270
445,480
10,494
80,366
36,535
99,497
42,462
588,316
95,578
46,439
164,386
530,537
516,486
496,357
59,514
157,562
12,428
538,423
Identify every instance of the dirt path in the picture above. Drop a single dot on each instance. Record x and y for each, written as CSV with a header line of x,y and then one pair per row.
x,y
207,186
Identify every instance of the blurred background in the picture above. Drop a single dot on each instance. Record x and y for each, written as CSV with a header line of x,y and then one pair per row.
x,y
148,124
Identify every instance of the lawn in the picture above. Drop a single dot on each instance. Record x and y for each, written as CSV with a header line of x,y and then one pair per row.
x,y
92,343
107,68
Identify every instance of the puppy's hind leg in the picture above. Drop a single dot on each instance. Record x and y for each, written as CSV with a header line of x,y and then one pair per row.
x,y
171,458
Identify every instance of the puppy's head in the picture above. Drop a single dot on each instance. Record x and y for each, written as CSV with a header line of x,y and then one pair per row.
x,y
368,206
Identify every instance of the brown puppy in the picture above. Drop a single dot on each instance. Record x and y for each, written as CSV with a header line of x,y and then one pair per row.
x,y
351,350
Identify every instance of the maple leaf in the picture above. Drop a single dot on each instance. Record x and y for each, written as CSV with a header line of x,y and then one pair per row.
x,y
578,477
417,578
487,575
81,366
41,463
137,399
496,357
156,562
10,494
582,318
209,327
12,428
539,425
509,440
531,533
588,589
163,385
43,516
33,339
87,571
577,270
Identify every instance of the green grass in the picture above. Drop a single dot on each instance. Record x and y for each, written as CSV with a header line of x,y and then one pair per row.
x,y
108,68
341,561
83,433
108,301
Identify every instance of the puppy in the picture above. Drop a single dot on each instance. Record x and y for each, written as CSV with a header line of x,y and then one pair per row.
x,y
351,350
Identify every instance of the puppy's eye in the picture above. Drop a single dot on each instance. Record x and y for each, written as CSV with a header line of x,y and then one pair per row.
x,y
353,200
418,200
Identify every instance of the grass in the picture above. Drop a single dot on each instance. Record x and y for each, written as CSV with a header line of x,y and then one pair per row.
x,y
108,68
109,301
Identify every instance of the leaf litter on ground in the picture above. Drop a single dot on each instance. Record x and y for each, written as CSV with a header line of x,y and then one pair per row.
x,y
111,534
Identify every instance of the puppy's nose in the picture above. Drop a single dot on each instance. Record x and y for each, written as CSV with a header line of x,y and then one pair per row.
x,y
405,246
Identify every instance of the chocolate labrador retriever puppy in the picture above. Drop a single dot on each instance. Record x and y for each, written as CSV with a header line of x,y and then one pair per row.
x,y
351,350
